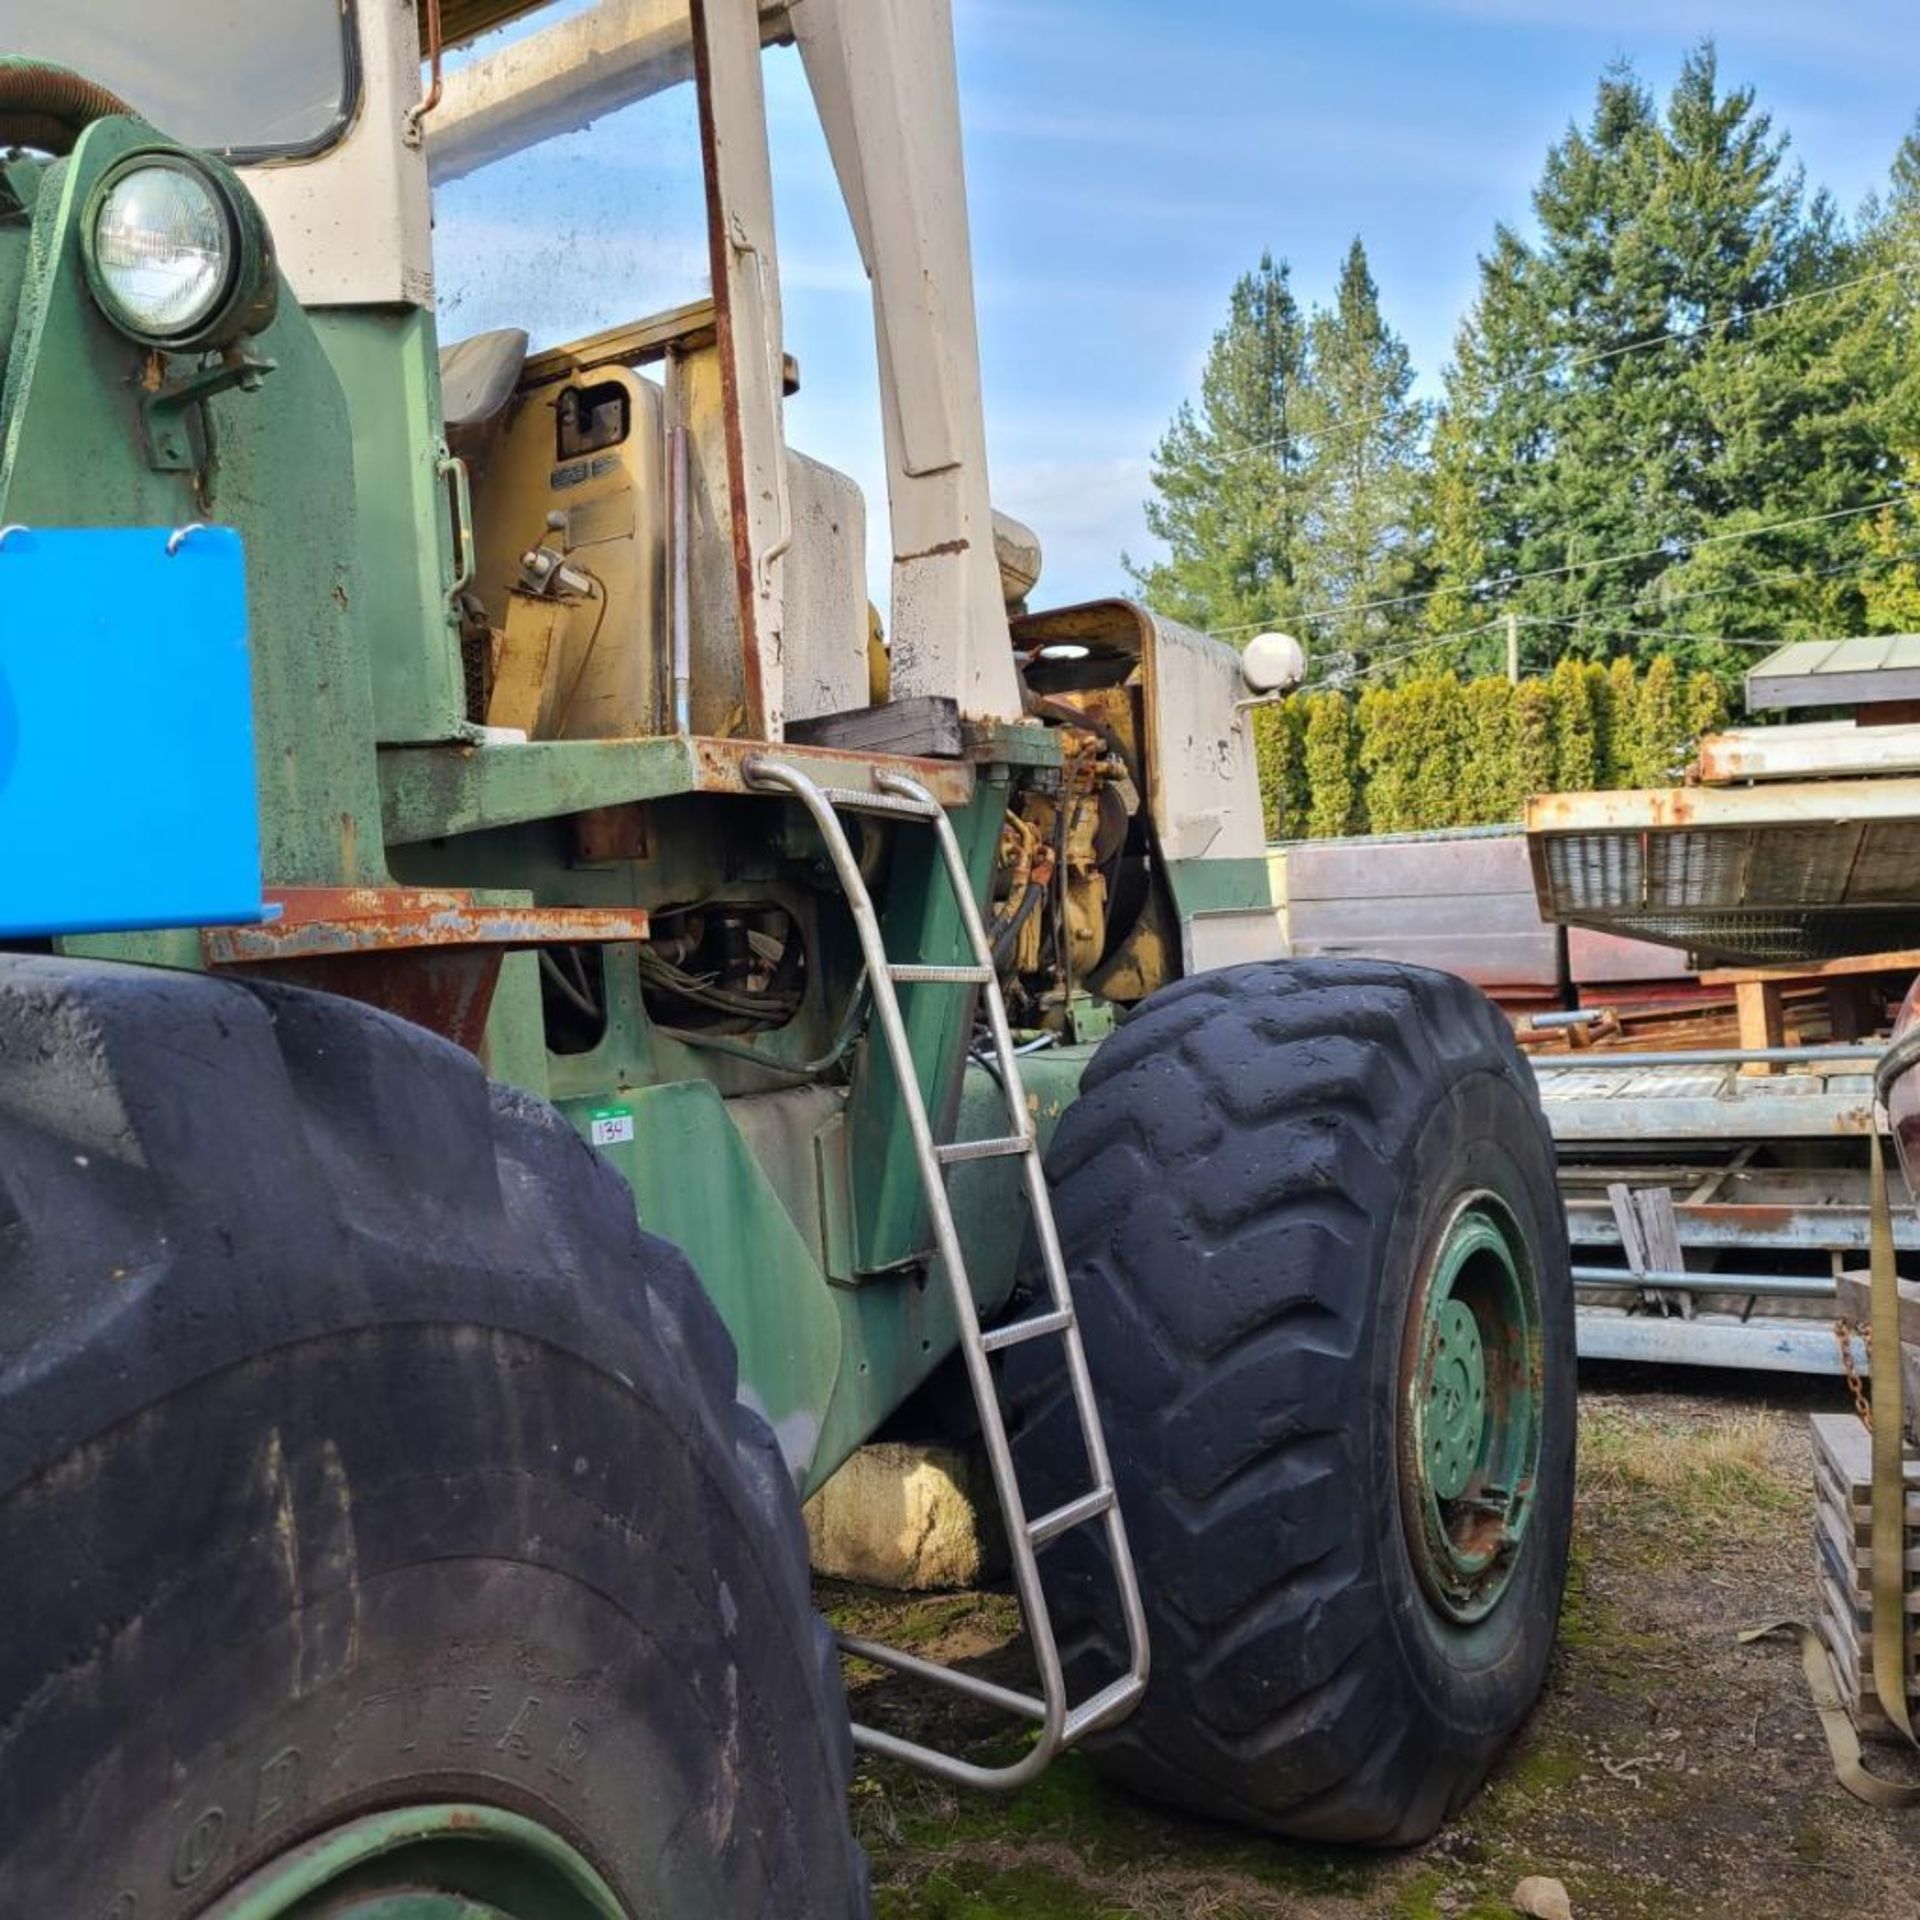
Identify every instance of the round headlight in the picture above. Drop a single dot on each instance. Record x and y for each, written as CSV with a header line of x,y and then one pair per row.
x,y
165,251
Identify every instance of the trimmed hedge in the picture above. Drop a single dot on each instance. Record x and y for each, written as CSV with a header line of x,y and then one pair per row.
x,y
1435,751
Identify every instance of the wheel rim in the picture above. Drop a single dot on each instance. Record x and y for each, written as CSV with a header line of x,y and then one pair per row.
x,y
1470,1410
426,1863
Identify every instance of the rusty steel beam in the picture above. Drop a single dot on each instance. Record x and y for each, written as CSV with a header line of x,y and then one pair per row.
x,y
430,955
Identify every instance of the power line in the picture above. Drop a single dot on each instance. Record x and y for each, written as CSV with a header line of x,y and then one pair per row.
x,y
1597,355
1776,576
1733,319
1507,582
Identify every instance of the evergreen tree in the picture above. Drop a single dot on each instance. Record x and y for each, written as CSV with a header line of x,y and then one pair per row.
x,y
1230,478
1280,755
1888,316
1661,724
1332,768
1488,774
1533,758
1386,766
1677,358
1704,705
1620,764
1364,537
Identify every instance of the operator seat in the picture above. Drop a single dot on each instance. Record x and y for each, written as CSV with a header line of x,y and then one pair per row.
x,y
478,378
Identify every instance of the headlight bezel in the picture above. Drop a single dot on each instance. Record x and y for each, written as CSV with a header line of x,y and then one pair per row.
x,y
248,292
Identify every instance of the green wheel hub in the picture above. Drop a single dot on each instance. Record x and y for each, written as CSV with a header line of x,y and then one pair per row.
x,y
1470,1409
426,1863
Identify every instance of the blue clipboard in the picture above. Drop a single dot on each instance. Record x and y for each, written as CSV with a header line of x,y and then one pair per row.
x,y
127,791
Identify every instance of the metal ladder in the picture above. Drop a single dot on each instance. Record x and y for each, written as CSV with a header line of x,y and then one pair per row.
x,y
1061,1722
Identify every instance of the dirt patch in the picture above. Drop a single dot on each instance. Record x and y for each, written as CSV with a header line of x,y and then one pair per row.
x,y
1669,1772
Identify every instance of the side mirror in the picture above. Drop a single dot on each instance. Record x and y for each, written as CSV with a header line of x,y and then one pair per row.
x,y
1273,664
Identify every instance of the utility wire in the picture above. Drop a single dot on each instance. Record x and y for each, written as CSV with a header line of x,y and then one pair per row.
x,y
1665,550
1778,576
1593,357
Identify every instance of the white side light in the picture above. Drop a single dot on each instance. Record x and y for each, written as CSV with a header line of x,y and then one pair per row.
x,y
1273,663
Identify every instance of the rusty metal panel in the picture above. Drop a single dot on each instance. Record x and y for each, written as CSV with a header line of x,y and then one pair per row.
x,y
1812,750
1789,871
1647,1105
718,764
430,955
325,921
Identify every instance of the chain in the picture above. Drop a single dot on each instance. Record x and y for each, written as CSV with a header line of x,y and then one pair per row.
x,y
1843,1333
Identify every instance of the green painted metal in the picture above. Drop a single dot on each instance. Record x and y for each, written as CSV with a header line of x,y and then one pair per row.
x,y
1220,886
776,1159
746,1188
921,921
442,1862
387,360
698,1184
1471,1417
73,453
429,793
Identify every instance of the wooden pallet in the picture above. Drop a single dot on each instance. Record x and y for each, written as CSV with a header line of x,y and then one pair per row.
x,y
1843,1540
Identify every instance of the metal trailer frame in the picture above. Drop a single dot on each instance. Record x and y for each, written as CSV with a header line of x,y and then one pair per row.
x,y
1660,1166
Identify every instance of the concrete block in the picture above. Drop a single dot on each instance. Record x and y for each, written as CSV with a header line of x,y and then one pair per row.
x,y
915,1519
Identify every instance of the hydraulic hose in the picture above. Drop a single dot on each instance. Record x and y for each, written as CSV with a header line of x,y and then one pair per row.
x,y
48,107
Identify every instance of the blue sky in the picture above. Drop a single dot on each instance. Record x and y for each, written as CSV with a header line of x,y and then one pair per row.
x,y
1128,158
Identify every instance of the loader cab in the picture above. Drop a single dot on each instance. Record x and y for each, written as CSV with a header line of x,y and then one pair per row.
x,y
562,508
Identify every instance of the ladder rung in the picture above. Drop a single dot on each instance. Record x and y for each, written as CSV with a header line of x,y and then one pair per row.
x,y
1035,1327
859,800
910,970
957,1150
1109,1700
1075,1513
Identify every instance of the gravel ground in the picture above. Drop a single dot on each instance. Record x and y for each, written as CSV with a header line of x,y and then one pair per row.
x,y
1668,1772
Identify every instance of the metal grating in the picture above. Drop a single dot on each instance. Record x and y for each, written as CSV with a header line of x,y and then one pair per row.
x,y
1750,874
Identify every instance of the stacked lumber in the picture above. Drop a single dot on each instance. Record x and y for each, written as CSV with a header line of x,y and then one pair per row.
x,y
1843,1504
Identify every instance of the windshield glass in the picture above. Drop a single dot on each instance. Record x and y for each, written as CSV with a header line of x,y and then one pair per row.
x,y
585,229
232,76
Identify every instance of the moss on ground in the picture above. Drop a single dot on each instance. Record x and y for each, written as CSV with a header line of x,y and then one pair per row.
x,y
1662,1493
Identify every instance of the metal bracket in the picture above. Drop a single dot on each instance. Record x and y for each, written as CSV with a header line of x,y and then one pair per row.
x,y
174,415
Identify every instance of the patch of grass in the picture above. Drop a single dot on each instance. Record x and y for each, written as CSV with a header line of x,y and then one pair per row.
x,y
1700,1478
1071,1813
916,1620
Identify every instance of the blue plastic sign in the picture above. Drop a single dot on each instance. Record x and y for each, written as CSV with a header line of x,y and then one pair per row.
x,y
127,793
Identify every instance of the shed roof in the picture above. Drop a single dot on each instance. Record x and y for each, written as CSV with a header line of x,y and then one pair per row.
x,y
1837,673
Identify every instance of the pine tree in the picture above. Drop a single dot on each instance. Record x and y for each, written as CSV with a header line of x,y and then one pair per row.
x,y
1677,356
1365,535
1229,478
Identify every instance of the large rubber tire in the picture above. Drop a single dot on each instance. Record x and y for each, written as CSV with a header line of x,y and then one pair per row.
x,y
1255,1170
357,1450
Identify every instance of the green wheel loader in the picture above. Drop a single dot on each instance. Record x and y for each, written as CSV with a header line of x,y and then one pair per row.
x,y
533,1023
